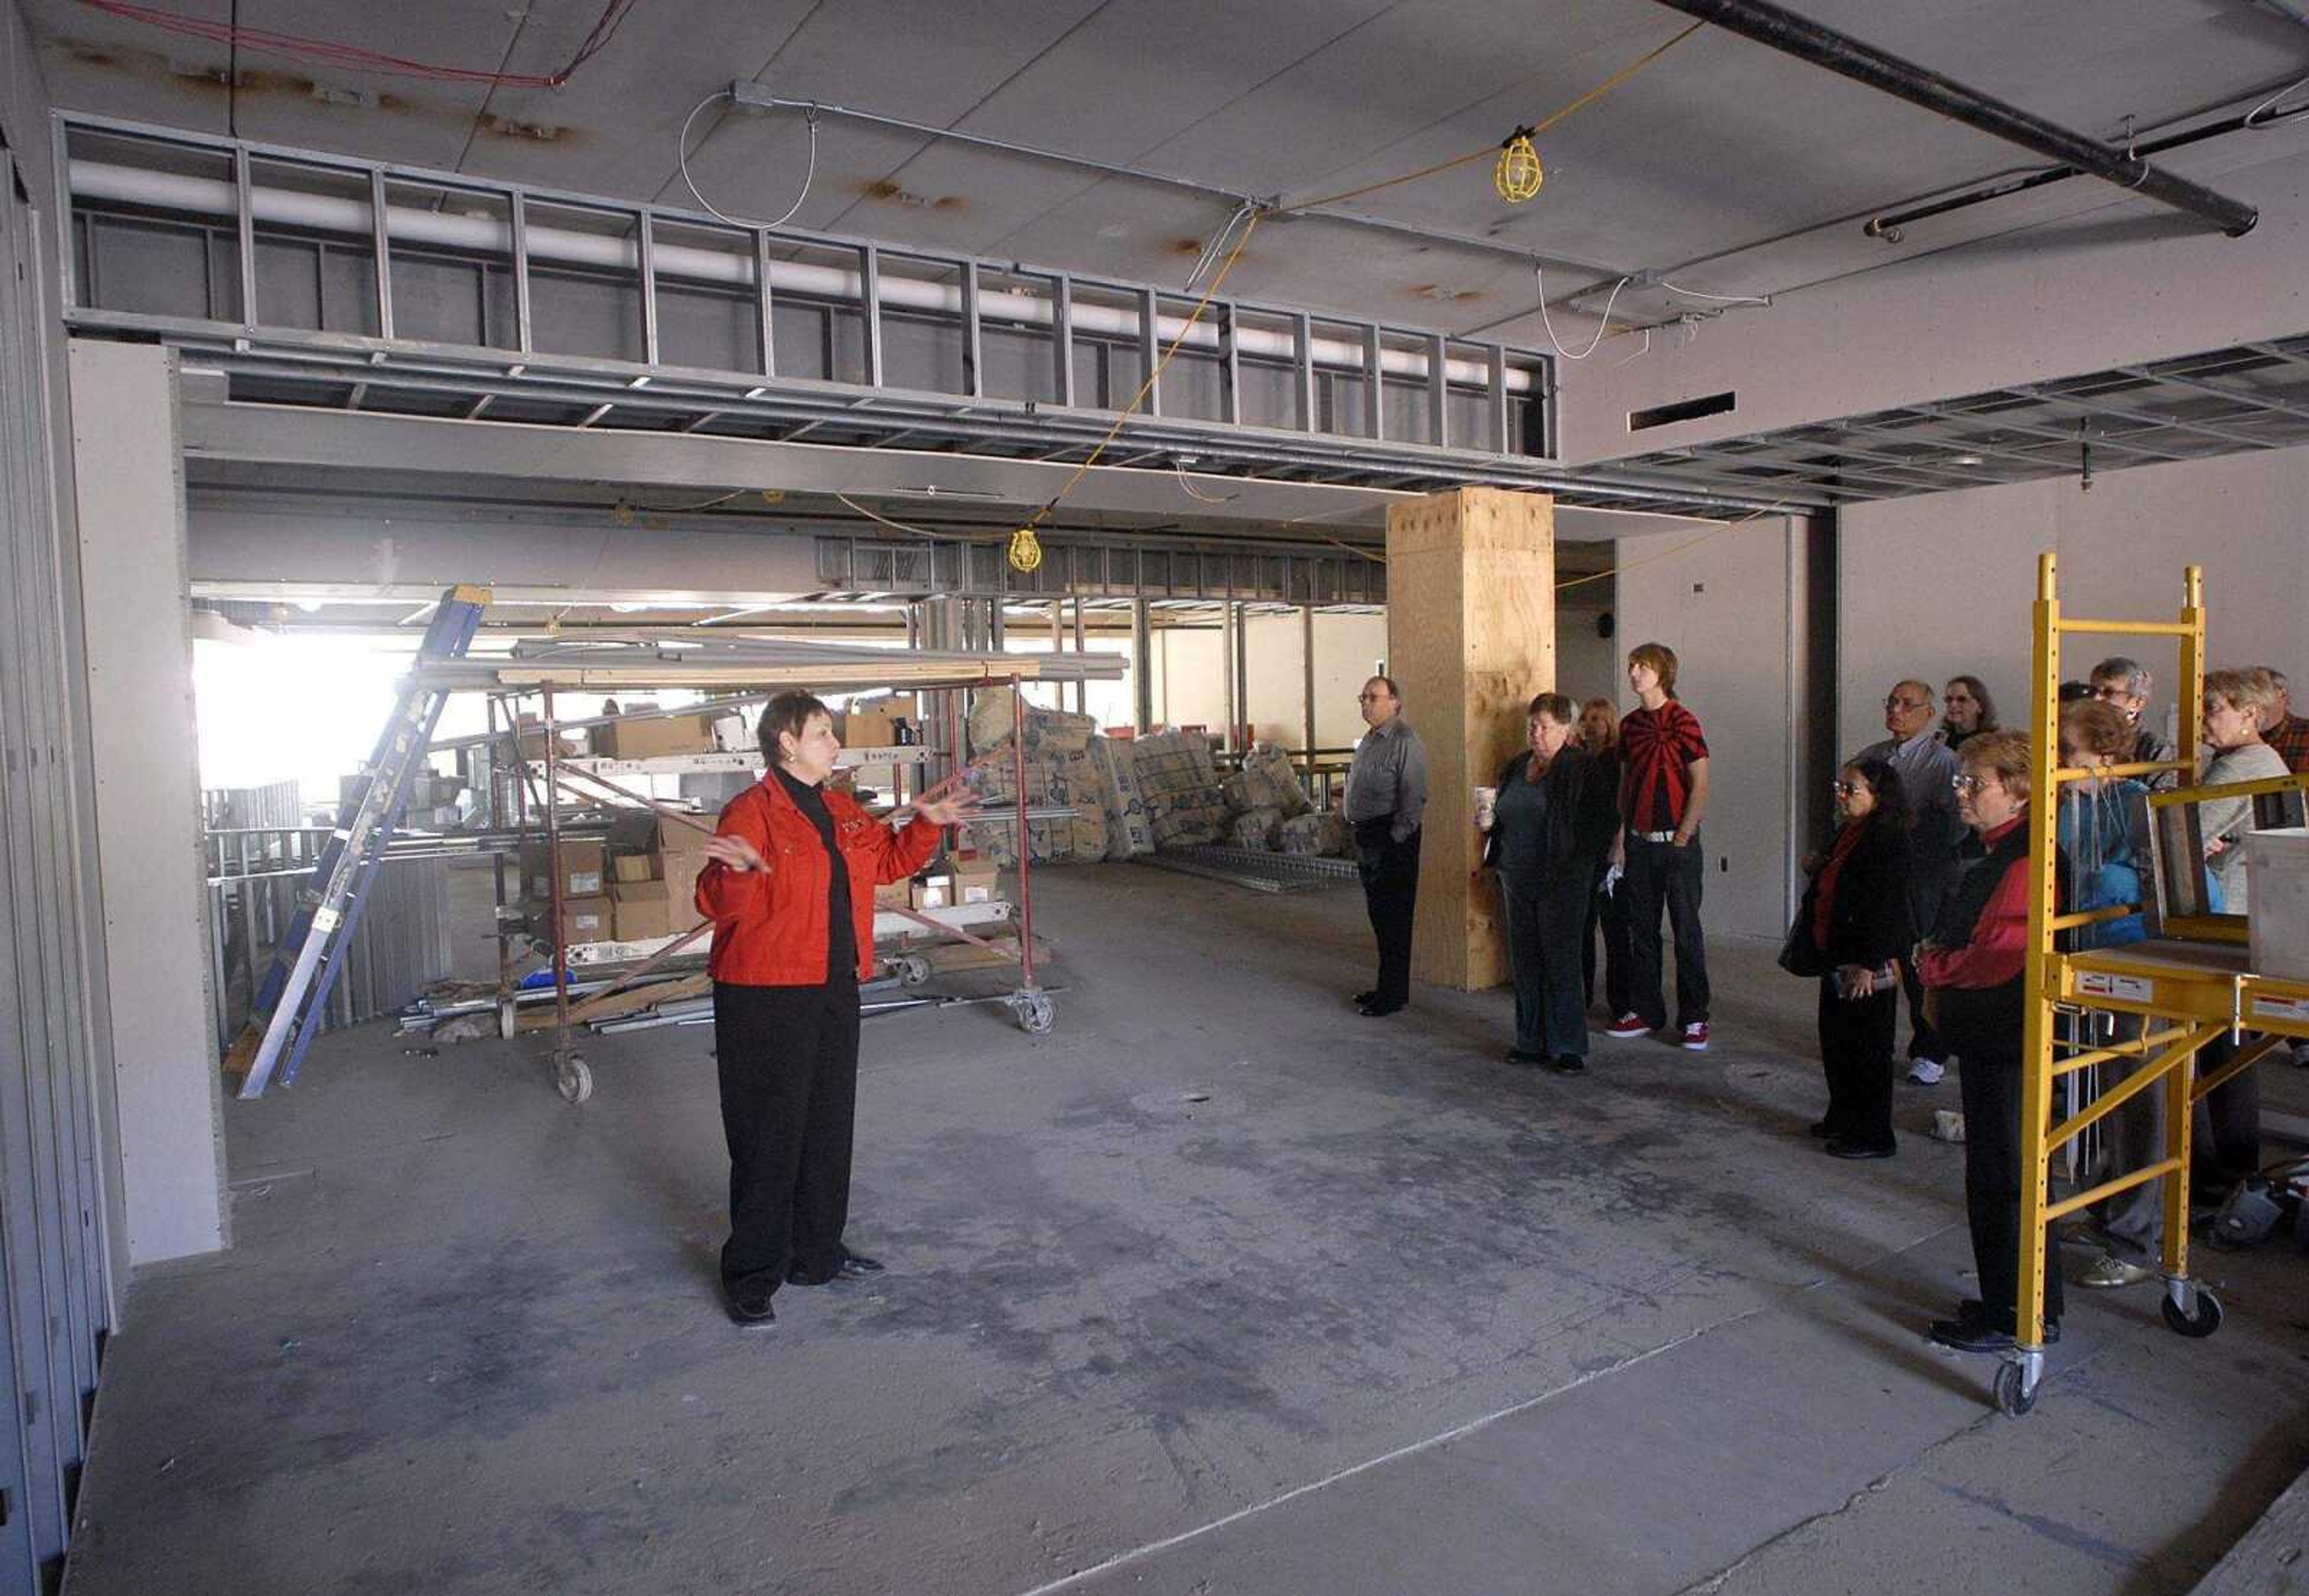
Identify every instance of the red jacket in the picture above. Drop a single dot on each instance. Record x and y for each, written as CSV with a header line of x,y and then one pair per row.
x,y
769,926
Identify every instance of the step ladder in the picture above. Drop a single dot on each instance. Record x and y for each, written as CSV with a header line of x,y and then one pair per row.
x,y
289,1002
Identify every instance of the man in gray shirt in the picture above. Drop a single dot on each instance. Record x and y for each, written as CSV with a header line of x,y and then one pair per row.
x,y
1927,769
1386,795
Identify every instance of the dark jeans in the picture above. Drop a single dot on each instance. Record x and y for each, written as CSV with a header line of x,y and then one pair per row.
x,y
1609,914
1545,919
1661,875
1390,873
2225,1129
1855,1055
788,1060
1991,1084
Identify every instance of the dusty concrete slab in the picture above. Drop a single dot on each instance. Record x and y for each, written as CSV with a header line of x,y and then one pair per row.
x,y
1214,1279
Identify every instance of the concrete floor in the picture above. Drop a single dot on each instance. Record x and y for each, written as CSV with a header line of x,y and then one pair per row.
x,y
1218,1288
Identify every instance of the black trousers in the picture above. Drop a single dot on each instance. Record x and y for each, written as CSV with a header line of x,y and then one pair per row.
x,y
2225,1129
1661,875
1991,1084
1926,891
788,1060
1544,920
1610,915
1390,875
1855,1055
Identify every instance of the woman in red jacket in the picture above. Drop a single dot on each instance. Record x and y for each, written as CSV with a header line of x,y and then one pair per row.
x,y
789,889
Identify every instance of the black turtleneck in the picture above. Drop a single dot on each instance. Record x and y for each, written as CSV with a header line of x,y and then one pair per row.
x,y
840,933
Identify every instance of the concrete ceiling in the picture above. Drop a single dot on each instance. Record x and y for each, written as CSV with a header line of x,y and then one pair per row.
x,y
1724,153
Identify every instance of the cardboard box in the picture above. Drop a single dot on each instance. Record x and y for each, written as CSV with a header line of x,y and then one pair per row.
x,y
680,879
586,920
2276,894
645,831
894,895
649,739
582,869
643,911
873,726
634,867
736,735
933,892
977,883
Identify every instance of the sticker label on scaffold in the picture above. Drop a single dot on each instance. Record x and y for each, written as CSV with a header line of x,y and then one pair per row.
x,y
2124,989
2293,1009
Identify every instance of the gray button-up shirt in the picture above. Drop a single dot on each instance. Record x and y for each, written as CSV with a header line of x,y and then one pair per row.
x,y
1927,769
1389,778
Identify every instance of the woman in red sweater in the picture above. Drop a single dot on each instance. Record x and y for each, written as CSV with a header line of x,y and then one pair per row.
x,y
1973,967
789,889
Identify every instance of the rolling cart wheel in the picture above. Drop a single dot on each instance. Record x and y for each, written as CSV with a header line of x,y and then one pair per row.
x,y
913,969
508,1019
1036,1013
2014,1395
2198,1325
574,1079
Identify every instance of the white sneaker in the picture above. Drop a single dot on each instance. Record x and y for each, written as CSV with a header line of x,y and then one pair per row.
x,y
1926,1072
2113,1271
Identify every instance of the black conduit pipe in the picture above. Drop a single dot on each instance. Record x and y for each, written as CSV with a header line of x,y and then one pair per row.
x,y
1839,52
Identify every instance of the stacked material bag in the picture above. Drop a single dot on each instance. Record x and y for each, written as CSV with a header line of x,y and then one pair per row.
x,y
1130,830
1179,785
1049,731
1061,772
1320,832
1267,781
1260,828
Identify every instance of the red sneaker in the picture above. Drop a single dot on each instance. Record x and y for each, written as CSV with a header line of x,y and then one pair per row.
x,y
1629,1025
1695,1037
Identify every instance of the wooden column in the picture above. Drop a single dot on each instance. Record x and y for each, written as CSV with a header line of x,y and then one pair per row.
x,y
1471,637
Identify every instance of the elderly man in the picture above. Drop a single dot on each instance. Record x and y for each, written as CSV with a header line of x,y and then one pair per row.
x,y
2280,728
1386,795
2127,684
1928,768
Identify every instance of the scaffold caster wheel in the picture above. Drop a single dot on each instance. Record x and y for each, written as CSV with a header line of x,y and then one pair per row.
x,y
913,969
2014,1395
574,1079
508,1019
1036,1013
2198,1325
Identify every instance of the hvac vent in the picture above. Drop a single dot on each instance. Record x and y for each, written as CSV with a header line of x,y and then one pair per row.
x,y
1682,409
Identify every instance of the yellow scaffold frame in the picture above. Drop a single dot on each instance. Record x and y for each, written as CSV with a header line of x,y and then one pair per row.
x,y
2193,975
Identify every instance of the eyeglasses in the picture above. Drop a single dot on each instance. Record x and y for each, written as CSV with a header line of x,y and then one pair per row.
x,y
1907,703
1846,789
1370,698
2108,692
1974,784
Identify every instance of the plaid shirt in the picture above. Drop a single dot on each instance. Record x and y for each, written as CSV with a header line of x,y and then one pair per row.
x,y
2290,738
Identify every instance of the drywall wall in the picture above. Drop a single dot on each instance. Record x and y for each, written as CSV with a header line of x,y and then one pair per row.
x,y
1943,584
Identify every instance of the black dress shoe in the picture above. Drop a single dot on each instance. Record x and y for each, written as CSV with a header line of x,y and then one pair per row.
x,y
1838,1148
1970,1330
854,1266
1375,1009
1567,1064
1826,1129
750,1307
1361,998
1516,1055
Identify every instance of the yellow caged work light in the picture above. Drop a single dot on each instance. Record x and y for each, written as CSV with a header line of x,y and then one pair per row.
x,y
1519,174
1026,550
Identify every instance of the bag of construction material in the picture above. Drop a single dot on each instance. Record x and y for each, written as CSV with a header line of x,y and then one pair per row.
x,y
1176,777
1129,832
1258,828
1047,730
1270,782
1323,833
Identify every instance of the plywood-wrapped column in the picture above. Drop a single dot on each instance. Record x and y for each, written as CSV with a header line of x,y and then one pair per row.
x,y
1471,637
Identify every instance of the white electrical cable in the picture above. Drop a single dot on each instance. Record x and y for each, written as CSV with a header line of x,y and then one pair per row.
x,y
1541,272
1217,248
2252,119
1693,293
681,159
1193,494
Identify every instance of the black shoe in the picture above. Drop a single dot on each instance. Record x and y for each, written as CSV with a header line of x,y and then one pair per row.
x,y
1970,1330
854,1266
750,1306
1516,1055
1826,1129
1361,998
1567,1064
1375,1009
1838,1148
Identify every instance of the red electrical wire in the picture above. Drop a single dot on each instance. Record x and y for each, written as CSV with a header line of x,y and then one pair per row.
x,y
331,53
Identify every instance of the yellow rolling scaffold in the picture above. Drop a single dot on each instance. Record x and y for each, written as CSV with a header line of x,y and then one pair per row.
x,y
2191,984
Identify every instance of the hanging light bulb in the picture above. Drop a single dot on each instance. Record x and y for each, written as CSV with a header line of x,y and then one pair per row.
x,y
1026,550
1519,174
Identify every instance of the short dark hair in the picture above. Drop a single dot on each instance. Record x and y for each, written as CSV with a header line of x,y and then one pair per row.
x,y
1393,692
1884,781
1556,706
788,712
